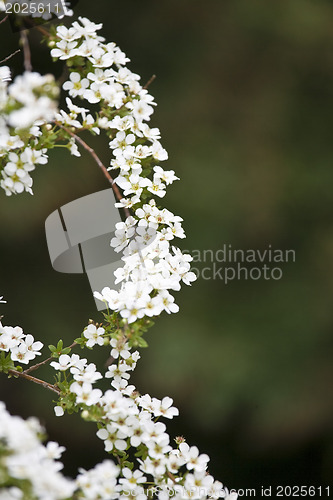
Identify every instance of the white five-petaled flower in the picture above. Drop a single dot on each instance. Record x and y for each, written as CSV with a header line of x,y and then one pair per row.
x,y
94,335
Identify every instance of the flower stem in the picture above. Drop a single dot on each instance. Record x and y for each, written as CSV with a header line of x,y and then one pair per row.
x,y
26,50
38,381
10,56
92,152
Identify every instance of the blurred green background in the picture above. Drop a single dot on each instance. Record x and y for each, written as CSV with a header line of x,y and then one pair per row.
x,y
245,107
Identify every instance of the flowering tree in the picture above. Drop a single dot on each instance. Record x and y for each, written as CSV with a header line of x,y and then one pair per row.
x,y
145,462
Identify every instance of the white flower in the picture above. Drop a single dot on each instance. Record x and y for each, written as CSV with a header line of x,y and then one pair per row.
x,y
94,335
134,184
64,49
59,411
54,451
8,142
22,354
168,176
73,148
6,341
85,393
86,374
5,75
63,364
118,372
87,28
32,156
164,408
159,448
112,437
160,154
168,302
131,478
157,187
66,361
32,346
197,482
76,86
121,142
120,348
192,458
68,34
132,311
15,333
141,110
110,297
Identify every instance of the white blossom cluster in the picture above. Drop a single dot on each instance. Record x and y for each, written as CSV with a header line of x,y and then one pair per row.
x,y
26,462
151,265
25,105
22,347
152,268
130,419
126,419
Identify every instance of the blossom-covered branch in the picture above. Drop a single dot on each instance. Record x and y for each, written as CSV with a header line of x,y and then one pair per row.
x,y
148,463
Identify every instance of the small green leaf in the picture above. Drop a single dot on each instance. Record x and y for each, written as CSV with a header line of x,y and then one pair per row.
x,y
60,345
130,465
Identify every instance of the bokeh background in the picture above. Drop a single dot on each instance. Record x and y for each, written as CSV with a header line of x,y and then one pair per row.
x,y
245,107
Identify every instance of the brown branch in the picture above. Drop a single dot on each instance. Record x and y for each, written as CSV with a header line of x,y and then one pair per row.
x,y
33,24
171,476
38,365
91,151
150,81
26,50
4,19
24,375
42,30
10,56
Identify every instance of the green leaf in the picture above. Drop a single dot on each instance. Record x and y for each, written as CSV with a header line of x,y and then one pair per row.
x,y
6,362
60,345
130,465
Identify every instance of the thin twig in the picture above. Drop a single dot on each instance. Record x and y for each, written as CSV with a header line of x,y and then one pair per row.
x,y
4,19
26,50
34,367
48,386
33,24
91,151
150,81
10,56
42,30
171,476
38,365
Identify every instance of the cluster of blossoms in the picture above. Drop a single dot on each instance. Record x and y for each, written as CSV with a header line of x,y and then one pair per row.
x,y
126,419
32,468
151,265
127,422
26,105
98,74
22,347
